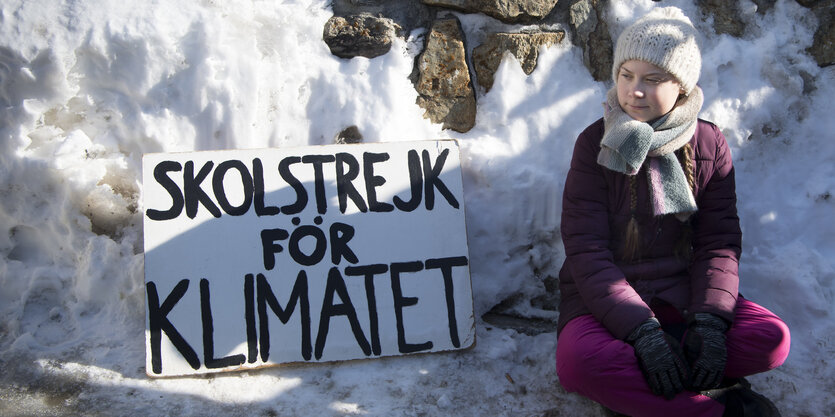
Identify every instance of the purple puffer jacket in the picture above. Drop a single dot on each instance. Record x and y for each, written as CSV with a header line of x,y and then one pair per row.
x,y
595,212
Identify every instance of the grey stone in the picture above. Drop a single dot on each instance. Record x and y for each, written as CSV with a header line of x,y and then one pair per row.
x,y
823,44
530,326
408,14
443,82
350,134
359,35
509,11
524,46
592,34
726,16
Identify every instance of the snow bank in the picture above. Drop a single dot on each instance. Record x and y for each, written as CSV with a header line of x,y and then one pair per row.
x,y
87,87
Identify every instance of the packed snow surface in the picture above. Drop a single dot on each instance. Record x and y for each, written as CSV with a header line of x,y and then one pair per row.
x,y
89,86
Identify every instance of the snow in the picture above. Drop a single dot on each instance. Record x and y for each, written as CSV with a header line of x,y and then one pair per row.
x,y
87,87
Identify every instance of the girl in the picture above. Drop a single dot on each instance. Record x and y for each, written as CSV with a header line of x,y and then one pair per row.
x,y
651,322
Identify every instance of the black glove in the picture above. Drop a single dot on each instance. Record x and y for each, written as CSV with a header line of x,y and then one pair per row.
x,y
660,358
704,348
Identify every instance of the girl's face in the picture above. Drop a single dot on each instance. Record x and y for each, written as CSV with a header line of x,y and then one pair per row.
x,y
645,91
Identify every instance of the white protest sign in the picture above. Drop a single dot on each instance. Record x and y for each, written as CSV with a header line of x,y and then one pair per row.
x,y
313,254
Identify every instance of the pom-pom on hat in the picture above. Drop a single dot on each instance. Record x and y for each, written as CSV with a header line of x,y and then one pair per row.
x,y
665,37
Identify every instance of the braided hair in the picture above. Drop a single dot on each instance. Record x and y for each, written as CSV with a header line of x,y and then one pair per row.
x,y
632,243
684,248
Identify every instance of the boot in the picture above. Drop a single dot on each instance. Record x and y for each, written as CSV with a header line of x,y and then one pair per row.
x,y
741,401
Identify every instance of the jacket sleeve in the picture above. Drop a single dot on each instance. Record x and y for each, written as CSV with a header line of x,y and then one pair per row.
x,y
585,233
717,238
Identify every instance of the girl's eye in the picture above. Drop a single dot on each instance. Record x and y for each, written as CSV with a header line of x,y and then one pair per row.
x,y
653,80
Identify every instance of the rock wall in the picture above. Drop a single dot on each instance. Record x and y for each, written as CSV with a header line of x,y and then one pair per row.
x,y
443,76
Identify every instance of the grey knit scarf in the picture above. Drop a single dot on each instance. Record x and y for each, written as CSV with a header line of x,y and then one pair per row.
x,y
627,144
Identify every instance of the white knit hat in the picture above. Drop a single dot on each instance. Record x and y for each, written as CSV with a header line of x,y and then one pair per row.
x,y
666,38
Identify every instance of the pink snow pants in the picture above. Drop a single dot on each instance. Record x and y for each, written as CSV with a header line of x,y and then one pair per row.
x,y
591,362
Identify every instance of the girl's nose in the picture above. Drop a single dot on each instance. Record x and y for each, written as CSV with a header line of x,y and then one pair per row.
x,y
637,92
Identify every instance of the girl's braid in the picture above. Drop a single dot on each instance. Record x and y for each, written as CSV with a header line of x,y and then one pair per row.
x,y
684,248
632,243
685,158
632,246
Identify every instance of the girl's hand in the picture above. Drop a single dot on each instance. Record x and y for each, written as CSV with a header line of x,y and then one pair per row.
x,y
660,358
704,348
